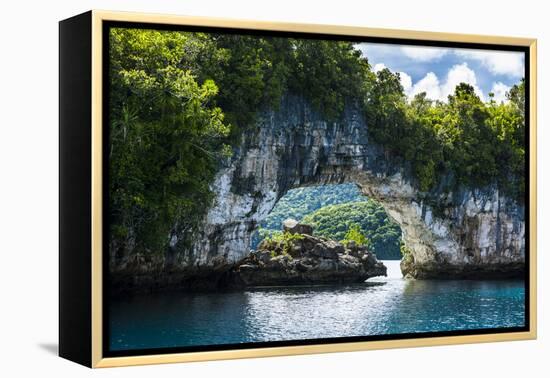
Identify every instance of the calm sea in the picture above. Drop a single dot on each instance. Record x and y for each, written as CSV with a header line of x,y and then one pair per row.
x,y
381,306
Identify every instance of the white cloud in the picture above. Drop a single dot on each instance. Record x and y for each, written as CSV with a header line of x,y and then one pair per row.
x,y
509,63
406,81
497,62
378,67
429,84
422,62
460,73
500,89
424,54
437,90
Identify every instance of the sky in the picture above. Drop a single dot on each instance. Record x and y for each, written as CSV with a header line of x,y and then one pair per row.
x,y
437,70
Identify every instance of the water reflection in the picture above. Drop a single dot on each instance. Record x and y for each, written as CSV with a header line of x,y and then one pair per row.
x,y
382,306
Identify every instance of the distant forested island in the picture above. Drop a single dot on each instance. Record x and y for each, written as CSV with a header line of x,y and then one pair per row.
x,y
333,210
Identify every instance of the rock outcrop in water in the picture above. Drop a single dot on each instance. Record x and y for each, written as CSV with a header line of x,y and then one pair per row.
x,y
302,259
467,232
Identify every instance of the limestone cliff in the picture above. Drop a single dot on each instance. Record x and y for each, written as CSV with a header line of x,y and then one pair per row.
x,y
469,232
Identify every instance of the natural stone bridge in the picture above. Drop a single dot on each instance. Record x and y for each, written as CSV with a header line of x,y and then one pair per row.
x,y
473,232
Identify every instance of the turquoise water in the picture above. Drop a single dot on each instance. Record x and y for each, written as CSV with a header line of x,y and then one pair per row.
x,y
381,306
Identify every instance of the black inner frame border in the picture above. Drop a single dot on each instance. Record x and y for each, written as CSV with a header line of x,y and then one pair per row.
x,y
107,25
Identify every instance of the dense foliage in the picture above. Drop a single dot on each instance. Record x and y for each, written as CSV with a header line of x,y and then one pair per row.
x,y
281,238
346,221
166,135
257,71
463,141
356,235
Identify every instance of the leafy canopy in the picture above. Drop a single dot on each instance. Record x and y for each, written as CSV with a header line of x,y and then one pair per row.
x,y
461,142
350,220
354,234
166,135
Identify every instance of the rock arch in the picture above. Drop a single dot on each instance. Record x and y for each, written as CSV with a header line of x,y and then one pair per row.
x,y
471,231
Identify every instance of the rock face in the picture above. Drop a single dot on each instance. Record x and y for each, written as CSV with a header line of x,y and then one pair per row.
x,y
306,260
469,232
476,234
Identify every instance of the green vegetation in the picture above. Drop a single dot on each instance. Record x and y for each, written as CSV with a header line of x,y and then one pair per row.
x,y
355,234
258,71
350,220
406,254
283,239
465,140
166,135
404,250
329,73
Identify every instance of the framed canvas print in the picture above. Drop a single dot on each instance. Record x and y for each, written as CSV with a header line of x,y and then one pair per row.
x,y
235,189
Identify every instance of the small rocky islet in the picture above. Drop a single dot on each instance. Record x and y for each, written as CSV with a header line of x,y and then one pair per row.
x,y
299,258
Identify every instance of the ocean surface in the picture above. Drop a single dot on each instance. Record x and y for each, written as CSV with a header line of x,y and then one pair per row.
x,y
381,306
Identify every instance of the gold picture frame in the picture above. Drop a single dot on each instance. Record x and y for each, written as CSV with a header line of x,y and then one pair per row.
x,y
90,329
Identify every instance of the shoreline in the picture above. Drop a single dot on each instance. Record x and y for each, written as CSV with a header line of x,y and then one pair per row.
x,y
210,283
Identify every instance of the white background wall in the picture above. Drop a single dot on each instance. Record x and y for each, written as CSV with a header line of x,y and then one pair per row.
x,y
28,186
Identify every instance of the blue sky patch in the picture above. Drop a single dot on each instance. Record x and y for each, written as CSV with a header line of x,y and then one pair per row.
x,y
437,70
